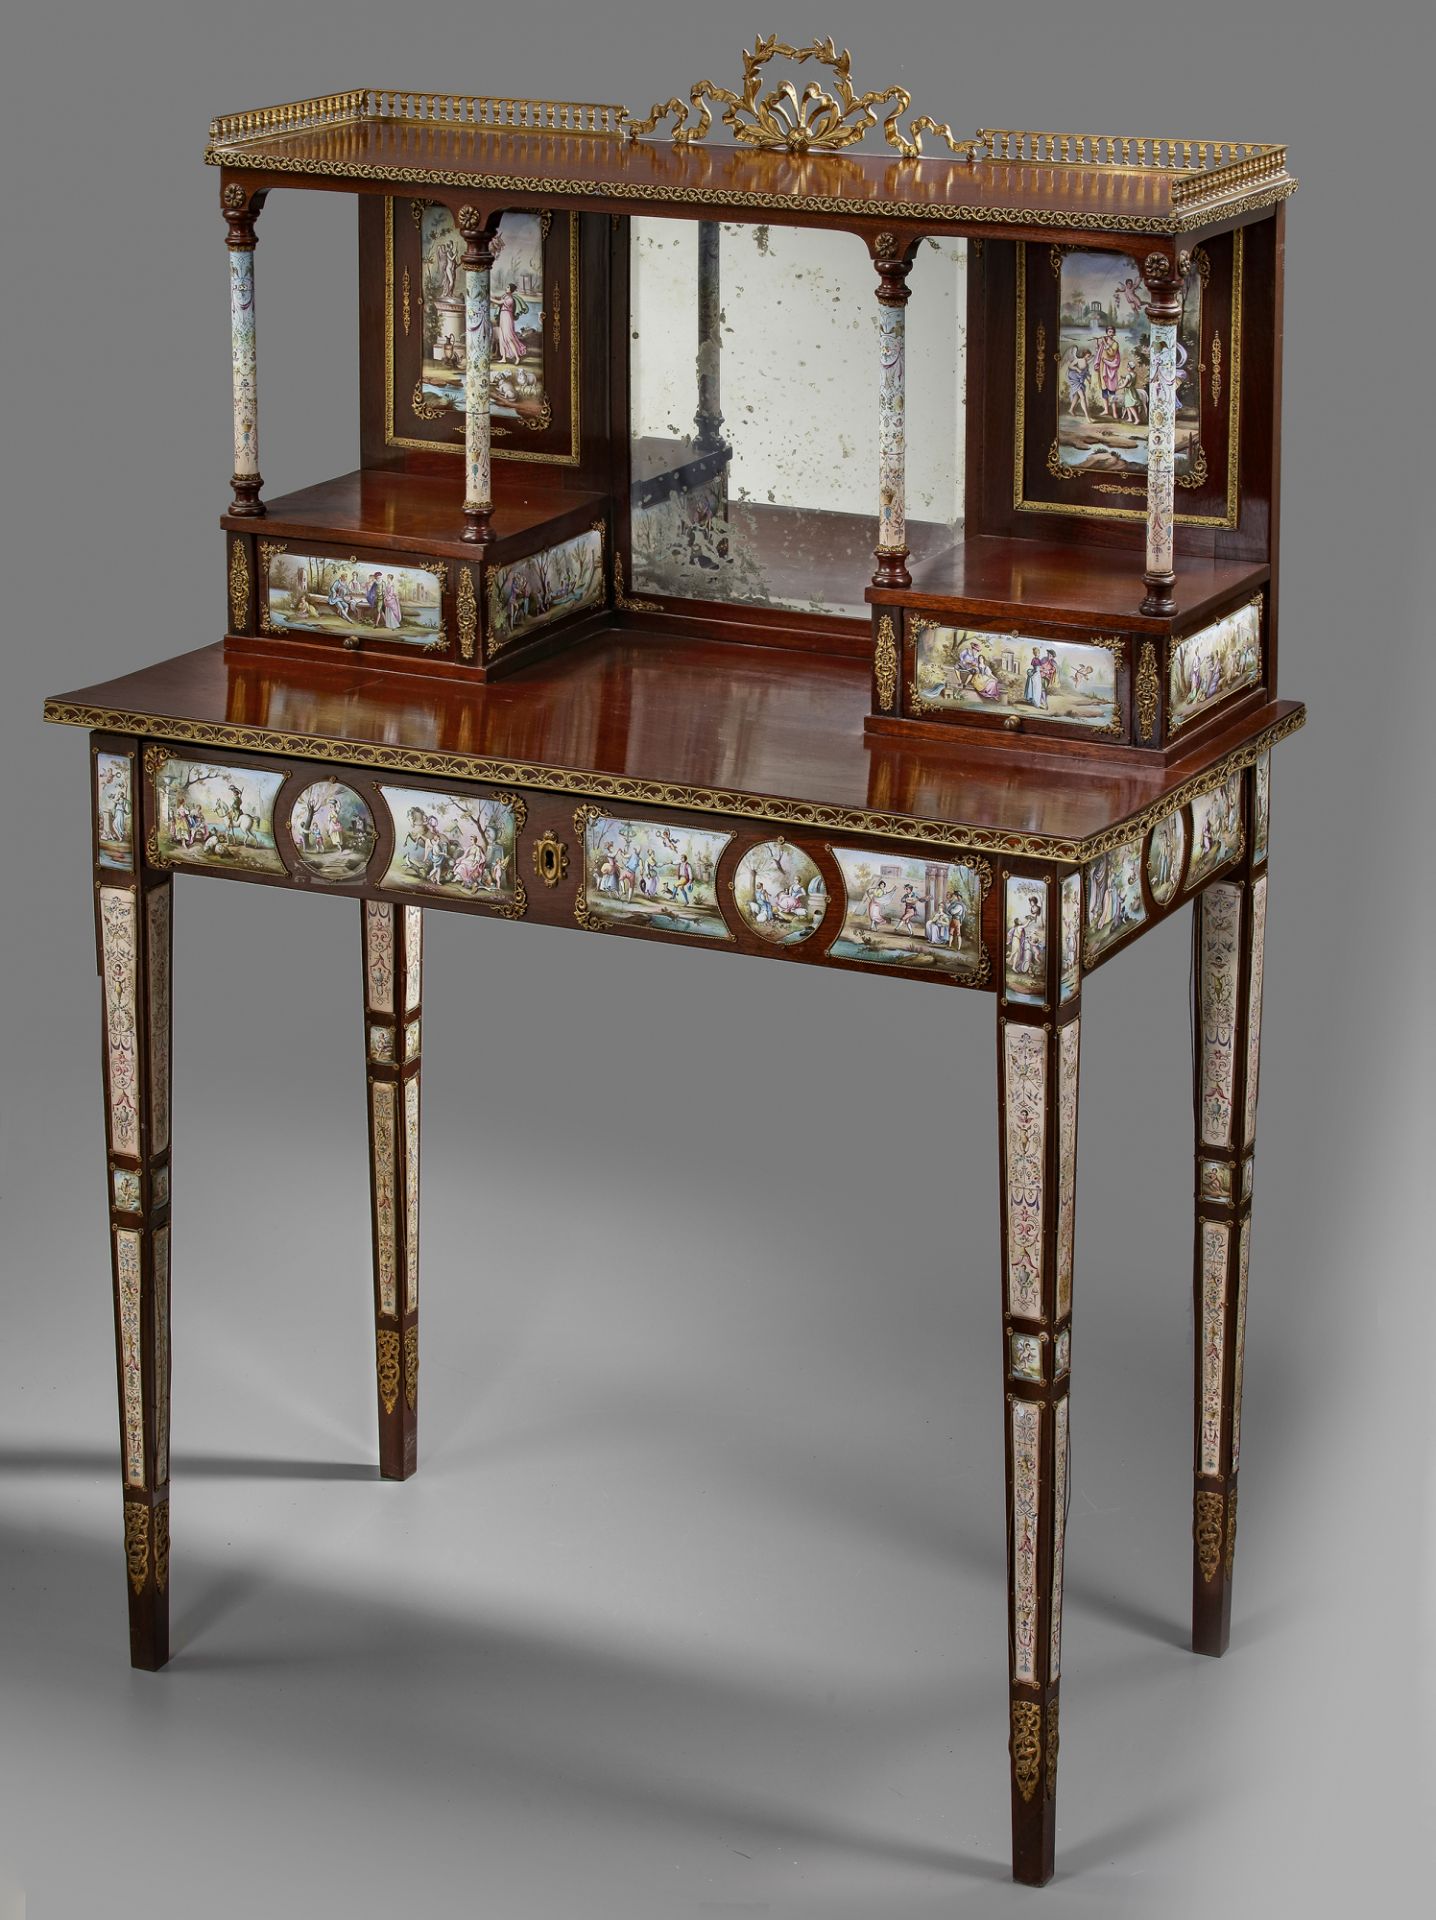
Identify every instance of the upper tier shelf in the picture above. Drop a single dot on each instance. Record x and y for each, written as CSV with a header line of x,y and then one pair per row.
x,y
548,153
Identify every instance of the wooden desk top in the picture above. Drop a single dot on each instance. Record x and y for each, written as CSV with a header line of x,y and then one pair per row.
x,y
643,717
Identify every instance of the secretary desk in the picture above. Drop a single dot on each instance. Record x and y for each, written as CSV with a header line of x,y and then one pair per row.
x,y
785,527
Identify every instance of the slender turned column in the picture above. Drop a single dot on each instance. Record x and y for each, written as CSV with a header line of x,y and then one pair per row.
x,y
478,349
1038,1043
709,417
893,296
1164,310
1229,934
241,210
133,906
393,979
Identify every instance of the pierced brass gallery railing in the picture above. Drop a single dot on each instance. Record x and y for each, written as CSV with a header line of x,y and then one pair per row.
x,y
419,109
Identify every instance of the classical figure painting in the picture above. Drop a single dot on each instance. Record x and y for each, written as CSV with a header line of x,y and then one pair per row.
x,y
1103,367
1071,922
1024,970
208,814
1261,825
516,305
309,593
640,874
958,668
1114,896
1216,829
332,830
531,593
1164,856
780,893
1207,666
114,810
910,913
460,846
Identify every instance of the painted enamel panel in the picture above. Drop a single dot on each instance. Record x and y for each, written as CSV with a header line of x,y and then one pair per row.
x,y
411,1042
1220,911
158,908
1216,1235
411,1193
118,914
638,874
460,846
1244,1247
244,366
961,669
1164,392
1247,1172
1025,1362
127,1268
317,593
1059,1532
1110,366
1068,1043
1254,995
381,1044
1216,829
162,1354
378,956
1026,1441
210,814
333,831
414,955
780,893
1219,660
382,1105
1164,856
1114,897
508,306
125,1186
892,428
543,587
1214,1181
160,1186
905,912
1025,1087
1261,829
115,810
1024,957
478,384
1062,1354
1071,922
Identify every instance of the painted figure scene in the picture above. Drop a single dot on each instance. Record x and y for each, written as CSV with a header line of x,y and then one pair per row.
x,y
1114,896
115,810
1071,923
210,815
1005,673
1216,829
1104,359
780,893
516,310
923,914
541,588
1164,856
306,593
457,845
639,874
1208,665
1025,940
332,830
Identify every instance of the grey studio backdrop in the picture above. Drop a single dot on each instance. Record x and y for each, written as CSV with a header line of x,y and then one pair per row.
x,y
696,1605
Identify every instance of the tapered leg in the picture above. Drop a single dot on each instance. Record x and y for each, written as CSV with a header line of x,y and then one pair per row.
x,y
393,977
1229,933
1037,1081
133,907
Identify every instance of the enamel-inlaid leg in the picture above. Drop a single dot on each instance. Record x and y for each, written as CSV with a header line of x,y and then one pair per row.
x,y
1038,1048
241,209
134,938
393,976
892,548
478,349
1163,313
1230,934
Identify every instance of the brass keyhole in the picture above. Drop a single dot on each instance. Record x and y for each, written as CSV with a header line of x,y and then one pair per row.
x,y
550,860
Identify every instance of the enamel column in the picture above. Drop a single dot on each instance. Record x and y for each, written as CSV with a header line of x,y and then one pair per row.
x,y
893,294
1164,309
241,210
709,417
478,339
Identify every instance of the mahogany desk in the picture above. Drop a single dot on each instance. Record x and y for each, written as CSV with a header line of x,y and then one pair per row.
x,y
580,766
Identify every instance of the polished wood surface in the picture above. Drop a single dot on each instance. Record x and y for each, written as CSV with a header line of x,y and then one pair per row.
x,y
693,714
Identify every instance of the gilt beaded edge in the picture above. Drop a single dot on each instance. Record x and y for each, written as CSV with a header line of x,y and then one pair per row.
x,y
365,754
